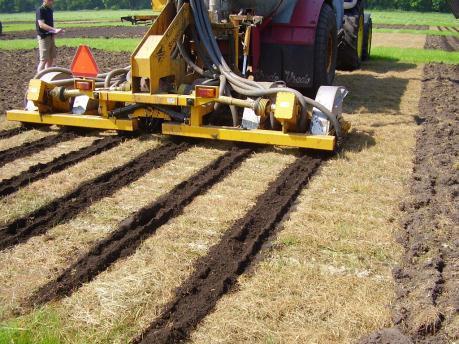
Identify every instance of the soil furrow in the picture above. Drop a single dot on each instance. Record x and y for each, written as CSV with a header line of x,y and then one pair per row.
x,y
84,32
70,205
138,227
30,148
446,43
401,27
5,134
426,308
40,171
216,273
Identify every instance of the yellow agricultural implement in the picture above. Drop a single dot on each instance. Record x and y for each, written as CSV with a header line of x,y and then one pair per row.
x,y
180,83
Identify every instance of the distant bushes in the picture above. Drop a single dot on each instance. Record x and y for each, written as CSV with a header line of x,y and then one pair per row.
x,y
71,5
410,5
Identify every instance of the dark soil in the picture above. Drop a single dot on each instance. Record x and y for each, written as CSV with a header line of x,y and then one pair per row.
x,y
70,205
5,134
216,273
447,43
40,171
30,148
448,29
86,32
427,304
18,67
401,27
131,232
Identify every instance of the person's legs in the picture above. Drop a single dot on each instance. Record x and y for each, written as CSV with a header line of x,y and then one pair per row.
x,y
45,46
52,52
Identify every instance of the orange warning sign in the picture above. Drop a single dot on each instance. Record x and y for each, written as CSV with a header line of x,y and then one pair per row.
x,y
84,64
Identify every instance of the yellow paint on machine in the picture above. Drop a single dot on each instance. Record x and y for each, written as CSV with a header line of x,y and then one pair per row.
x,y
84,121
270,137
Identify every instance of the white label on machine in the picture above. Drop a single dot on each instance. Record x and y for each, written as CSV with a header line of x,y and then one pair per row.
x,y
250,120
80,105
320,125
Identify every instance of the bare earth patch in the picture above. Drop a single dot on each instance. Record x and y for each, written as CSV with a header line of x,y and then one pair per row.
x,y
398,40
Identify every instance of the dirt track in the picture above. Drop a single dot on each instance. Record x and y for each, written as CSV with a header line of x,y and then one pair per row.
x,y
427,305
68,206
5,134
81,32
216,273
18,67
41,171
401,27
446,43
132,231
30,148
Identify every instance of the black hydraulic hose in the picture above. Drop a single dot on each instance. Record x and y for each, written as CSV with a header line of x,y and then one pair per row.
x,y
244,86
126,110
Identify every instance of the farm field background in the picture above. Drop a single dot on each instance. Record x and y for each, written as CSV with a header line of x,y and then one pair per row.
x,y
326,272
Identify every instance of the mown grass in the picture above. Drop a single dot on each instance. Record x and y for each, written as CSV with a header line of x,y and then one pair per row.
x,y
415,55
127,44
102,15
413,18
411,55
419,32
41,327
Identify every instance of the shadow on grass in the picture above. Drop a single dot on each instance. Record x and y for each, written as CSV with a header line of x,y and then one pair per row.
x,y
358,140
385,64
372,94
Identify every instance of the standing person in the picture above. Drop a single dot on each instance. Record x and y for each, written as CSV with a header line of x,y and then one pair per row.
x,y
46,33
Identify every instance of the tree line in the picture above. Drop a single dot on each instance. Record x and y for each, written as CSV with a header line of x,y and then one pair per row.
x,y
9,6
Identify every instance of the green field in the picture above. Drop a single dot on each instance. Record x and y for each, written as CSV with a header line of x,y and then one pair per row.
x,y
129,44
103,15
24,21
413,18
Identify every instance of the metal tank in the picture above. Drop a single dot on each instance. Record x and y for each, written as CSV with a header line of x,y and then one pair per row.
x,y
263,8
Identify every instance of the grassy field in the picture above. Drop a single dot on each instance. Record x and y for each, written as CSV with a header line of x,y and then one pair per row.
x,y
327,276
413,18
24,21
103,15
410,55
304,290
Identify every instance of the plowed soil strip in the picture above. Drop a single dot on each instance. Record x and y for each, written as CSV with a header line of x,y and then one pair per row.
x,y
40,171
30,148
68,206
216,273
446,43
135,229
5,134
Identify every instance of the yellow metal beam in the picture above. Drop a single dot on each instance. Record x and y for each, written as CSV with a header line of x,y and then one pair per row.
x,y
71,120
269,137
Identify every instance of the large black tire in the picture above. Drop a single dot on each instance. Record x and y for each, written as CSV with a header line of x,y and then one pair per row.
x,y
1,28
350,48
325,49
367,37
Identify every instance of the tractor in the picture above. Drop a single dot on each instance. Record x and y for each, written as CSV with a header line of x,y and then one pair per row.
x,y
355,36
236,70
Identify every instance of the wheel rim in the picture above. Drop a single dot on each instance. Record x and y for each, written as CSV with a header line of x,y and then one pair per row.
x,y
329,52
360,37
